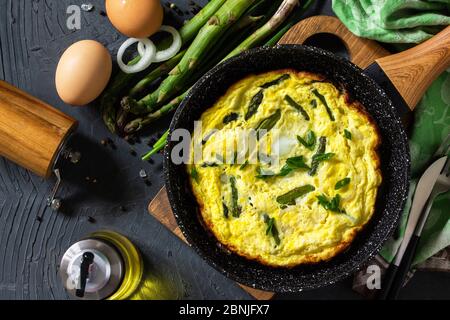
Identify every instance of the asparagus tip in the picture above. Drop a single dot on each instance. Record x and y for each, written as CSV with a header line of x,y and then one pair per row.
x,y
110,125
127,103
133,126
130,105
108,112
122,119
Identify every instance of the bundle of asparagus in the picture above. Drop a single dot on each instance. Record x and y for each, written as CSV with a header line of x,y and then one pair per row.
x,y
222,29
122,80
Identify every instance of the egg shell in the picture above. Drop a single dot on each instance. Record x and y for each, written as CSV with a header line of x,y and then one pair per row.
x,y
135,18
83,72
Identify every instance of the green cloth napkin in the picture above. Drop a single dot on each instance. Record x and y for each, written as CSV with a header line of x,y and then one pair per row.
x,y
412,21
394,21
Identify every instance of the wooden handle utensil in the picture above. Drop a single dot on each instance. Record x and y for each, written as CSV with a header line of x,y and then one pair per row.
x,y
362,52
410,71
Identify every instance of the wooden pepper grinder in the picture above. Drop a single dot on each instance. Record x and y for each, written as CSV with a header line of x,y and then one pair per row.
x,y
33,134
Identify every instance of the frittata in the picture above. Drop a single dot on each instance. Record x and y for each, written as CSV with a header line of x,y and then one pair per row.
x,y
309,183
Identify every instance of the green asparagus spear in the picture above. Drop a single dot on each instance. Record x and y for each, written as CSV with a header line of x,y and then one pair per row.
x,y
275,82
246,22
248,44
293,19
122,80
320,156
257,38
207,37
342,183
166,67
192,27
272,229
262,33
161,70
122,119
325,103
295,105
159,145
140,123
289,197
236,210
254,104
268,123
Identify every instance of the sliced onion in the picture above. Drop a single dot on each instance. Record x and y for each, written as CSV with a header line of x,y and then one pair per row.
x,y
168,53
147,56
141,49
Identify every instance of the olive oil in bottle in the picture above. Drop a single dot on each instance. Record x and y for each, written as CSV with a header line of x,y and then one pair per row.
x,y
104,265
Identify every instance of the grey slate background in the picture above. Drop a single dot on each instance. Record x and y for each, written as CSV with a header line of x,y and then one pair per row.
x,y
33,35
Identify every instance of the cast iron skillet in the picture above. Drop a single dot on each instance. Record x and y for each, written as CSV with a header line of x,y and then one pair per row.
x,y
394,154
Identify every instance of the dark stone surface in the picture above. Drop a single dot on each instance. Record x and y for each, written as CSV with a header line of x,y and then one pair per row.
x,y
33,35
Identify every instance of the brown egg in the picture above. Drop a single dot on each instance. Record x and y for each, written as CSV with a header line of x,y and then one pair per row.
x,y
135,18
83,72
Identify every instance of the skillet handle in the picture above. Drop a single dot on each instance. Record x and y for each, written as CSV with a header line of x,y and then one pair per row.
x,y
362,52
412,71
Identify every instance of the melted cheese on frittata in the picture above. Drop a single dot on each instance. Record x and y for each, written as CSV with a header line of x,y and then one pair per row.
x,y
306,230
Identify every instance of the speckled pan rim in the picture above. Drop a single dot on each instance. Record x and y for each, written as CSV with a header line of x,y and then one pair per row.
x,y
259,280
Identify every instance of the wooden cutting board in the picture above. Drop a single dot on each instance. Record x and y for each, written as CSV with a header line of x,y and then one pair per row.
x,y
361,52
160,209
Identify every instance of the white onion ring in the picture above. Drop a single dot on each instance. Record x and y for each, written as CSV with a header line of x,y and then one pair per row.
x,y
147,56
141,48
168,53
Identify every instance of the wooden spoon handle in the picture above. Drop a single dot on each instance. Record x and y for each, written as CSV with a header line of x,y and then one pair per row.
x,y
412,71
362,52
